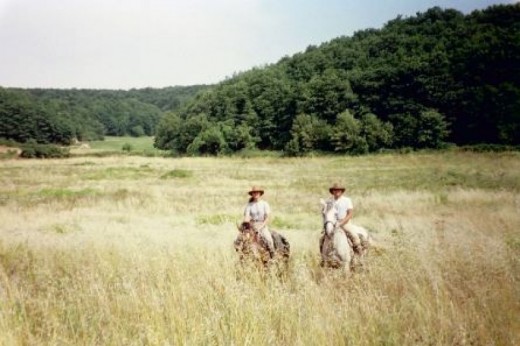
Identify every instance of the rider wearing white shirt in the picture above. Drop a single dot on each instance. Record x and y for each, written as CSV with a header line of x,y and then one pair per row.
x,y
344,210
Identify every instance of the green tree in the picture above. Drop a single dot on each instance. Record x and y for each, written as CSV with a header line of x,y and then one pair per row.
x,y
428,129
432,130
210,141
329,95
168,132
308,133
377,134
177,134
346,135
239,136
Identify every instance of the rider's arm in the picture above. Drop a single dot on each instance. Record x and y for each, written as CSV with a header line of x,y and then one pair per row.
x,y
247,214
346,219
267,213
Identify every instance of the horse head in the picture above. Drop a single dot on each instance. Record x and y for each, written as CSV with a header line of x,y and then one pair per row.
x,y
244,242
334,246
327,211
245,227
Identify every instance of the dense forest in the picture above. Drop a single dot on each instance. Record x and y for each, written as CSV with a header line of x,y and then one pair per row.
x,y
440,76
61,115
419,82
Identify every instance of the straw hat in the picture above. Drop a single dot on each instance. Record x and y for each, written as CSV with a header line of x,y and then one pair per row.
x,y
337,186
256,189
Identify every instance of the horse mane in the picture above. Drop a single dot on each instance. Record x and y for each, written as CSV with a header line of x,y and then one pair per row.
x,y
245,226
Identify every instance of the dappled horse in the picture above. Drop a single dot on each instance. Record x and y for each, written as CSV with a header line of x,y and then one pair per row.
x,y
335,247
250,245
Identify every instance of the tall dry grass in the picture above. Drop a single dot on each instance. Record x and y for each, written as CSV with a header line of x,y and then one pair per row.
x,y
138,251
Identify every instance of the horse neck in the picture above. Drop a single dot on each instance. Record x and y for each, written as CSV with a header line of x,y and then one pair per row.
x,y
249,239
329,229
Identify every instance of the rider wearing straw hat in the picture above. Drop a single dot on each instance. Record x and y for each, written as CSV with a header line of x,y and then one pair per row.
x,y
257,212
344,212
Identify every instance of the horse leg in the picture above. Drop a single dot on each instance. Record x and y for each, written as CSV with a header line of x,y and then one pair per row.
x,y
322,240
267,240
366,242
329,254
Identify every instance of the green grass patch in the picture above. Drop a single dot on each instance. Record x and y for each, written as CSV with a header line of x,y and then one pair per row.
x,y
86,163
280,222
117,173
125,145
215,219
177,173
70,198
62,228
121,146
117,143
66,193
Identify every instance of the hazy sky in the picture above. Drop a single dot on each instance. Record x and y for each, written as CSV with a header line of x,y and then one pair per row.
x,y
122,44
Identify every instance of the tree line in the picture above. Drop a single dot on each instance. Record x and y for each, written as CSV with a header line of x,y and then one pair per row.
x,y
419,82
61,115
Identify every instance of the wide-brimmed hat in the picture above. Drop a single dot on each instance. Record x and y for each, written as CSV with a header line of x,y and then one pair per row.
x,y
336,186
256,189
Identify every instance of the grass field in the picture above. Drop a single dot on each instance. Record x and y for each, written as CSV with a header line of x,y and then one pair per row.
x,y
111,145
131,250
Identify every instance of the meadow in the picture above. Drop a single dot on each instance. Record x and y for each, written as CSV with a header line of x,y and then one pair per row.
x,y
112,145
132,250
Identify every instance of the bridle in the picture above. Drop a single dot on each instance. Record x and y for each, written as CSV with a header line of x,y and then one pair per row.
x,y
326,223
327,209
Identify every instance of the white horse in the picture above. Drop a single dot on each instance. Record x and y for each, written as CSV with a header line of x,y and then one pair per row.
x,y
335,247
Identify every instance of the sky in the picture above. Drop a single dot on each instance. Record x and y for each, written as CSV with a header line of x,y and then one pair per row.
x,y
124,44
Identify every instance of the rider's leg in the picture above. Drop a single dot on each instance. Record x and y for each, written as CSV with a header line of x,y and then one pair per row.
x,y
268,237
354,237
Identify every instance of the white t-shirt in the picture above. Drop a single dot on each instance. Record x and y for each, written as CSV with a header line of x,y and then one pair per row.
x,y
257,211
341,206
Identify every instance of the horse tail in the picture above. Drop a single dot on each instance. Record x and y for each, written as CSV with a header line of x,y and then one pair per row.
x,y
281,243
286,246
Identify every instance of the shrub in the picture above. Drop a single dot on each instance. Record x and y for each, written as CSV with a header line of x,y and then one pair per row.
x,y
127,147
34,150
137,131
